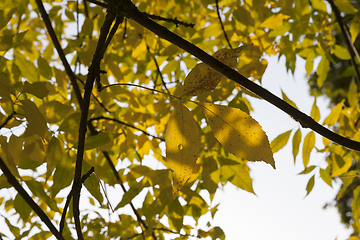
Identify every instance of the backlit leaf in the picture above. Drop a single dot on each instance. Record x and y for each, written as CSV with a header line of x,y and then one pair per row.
x,y
274,21
325,175
296,143
182,140
286,99
280,141
309,144
322,70
204,78
27,68
334,114
341,52
238,132
315,112
353,94
36,120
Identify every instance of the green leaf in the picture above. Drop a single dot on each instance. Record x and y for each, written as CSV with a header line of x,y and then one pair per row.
x,y
55,111
36,121
353,94
341,52
274,21
210,176
63,175
334,114
322,70
310,185
176,215
315,112
308,170
37,89
53,155
286,99
325,175
44,68
27,68
280,141
37,190
319,5
22,208
4,4
98,140
309,144
237,173
92,184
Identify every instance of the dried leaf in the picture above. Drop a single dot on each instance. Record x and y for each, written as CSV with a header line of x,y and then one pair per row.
x,y
238,132
203,78
182,140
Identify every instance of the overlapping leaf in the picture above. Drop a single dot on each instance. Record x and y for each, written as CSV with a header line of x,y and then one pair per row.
x,y
203,78
238,132
182,139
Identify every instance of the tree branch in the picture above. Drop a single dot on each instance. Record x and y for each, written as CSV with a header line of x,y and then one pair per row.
x,y
221,23
126,124
68,199
12,180
77,90
93,73
58,48
347,38
305,120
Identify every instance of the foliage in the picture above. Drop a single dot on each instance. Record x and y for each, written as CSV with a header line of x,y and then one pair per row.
x,y
52,135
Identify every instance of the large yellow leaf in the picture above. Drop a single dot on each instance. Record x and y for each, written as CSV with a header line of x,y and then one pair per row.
x,y
182,140
238,132
203,78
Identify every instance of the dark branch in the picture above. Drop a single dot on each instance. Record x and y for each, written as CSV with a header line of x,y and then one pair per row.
x,y
12,180
221,23
58,48
347,38
7,120
126,124
175,21
70,195
305,120
93,73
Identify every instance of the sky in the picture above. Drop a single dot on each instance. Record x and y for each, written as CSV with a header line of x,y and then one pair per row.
x,y
280,210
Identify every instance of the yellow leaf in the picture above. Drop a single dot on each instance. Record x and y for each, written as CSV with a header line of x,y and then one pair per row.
x,y
238,132
182,140
274,21
203,78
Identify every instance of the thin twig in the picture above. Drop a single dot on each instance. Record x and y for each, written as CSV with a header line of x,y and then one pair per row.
x,y
349,44
175,21
221,23
305,120
126,124
12,180
68,199
7,120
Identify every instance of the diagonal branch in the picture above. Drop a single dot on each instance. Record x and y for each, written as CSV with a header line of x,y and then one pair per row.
x,y
305,120
61,53
350,46
12,180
